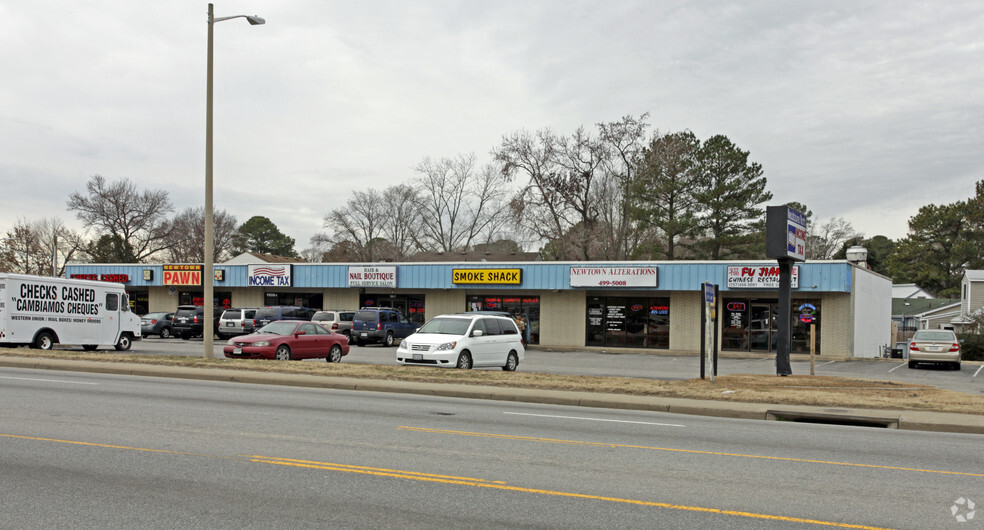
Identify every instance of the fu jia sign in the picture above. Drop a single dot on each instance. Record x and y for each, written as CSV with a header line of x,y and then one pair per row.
x,y
758,277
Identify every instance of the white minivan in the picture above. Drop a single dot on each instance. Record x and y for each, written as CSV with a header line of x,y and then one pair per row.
x,y
464,341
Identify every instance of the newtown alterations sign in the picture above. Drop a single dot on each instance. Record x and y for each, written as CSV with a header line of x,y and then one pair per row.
x,y
758,277
268,275
372,276
614,277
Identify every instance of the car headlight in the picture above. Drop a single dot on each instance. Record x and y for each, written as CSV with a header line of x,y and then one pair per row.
x,y
231,342
403,345
261,343
446,346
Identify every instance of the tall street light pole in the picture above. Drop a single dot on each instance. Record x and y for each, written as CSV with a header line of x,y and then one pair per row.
x,y
208,275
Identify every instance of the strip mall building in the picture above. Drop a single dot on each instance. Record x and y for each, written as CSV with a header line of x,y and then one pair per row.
x,y
644,306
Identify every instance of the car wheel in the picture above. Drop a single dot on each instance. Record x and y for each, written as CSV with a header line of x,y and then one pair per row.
x,y
348,336
165,333
464,361
89,347
388,341
283,352
44,341
124,343
334,354
512,361
912,364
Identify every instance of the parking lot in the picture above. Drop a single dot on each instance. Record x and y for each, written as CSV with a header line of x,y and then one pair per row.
x,y
656,366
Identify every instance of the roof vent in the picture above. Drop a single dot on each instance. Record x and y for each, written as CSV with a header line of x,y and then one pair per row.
x,y
858,255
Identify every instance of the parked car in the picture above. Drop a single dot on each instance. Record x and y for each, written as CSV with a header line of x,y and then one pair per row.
x,y
237,321
156,324
380,324
266,315
934,346
190,321
289,339
464,341
337,320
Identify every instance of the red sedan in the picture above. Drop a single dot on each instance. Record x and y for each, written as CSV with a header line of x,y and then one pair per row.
x,y
286,339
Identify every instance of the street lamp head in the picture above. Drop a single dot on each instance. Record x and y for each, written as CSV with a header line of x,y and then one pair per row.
x,y
255,20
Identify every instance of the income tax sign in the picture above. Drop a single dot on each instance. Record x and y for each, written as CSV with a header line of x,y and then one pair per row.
x,y
614,277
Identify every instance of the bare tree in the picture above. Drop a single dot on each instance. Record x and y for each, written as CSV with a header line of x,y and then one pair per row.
x,y
624,141
187,239
459,204
561,201
358,227
403,221
826,239
138,219
38,246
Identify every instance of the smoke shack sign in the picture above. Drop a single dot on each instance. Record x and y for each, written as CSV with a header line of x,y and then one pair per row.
x,y
614,277
758,277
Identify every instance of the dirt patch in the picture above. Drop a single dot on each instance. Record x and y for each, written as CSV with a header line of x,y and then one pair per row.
x,y
791,390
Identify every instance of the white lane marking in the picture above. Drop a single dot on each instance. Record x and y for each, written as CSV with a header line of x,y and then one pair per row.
x,y
897,367
48,380
830,362
981,367
594,419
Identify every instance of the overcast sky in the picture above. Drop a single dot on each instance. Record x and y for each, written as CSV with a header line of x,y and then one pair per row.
x,y
860,110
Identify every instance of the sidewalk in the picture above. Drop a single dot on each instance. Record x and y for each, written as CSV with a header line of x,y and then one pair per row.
x,y
911,420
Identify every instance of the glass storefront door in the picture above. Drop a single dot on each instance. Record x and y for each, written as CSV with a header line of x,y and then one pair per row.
x,y
762,332
752,325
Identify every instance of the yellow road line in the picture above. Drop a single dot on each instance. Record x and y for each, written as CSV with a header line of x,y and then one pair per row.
x,y
692,451
461,481
479,483
109,446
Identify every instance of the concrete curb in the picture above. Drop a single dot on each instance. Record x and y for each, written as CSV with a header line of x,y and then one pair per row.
x,y
908,420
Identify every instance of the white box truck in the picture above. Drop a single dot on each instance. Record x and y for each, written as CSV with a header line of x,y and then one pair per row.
x,y
40,312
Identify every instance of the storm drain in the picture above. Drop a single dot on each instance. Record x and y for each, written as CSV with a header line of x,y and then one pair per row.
x,y
832,418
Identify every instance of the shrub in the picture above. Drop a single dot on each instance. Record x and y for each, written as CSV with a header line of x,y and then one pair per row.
x,y
971,346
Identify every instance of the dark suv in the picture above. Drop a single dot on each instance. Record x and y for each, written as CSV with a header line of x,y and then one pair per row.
x,y
189,321
266,315
380,324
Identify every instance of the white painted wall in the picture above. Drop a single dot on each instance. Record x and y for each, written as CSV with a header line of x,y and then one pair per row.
x,y
872,309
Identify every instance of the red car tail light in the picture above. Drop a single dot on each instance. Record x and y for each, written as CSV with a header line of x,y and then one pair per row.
x,y
334,325
196,319
154,321
913,347
955,347
379,325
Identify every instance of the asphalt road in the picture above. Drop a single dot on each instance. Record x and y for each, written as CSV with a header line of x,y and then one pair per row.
x,y
970,378
81,450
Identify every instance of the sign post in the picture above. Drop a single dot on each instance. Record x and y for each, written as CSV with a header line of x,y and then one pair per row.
x,y
710,303
785,240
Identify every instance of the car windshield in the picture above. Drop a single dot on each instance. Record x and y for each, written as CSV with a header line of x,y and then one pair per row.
x,y
446,326
941,335
279,327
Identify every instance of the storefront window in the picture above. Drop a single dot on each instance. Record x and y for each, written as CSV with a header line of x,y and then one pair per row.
x,y
310,300
628,322
409,304
753,325
527,306
222,299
